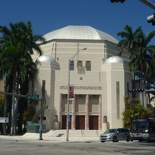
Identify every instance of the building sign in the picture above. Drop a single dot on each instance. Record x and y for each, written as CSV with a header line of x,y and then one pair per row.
x,y
84,87
68,118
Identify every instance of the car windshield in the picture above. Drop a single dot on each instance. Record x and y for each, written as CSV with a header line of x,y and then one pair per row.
x,y
110,131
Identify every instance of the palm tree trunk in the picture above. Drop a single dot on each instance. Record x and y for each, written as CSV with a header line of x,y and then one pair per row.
x,y
5,105
12,130
145,94
16,103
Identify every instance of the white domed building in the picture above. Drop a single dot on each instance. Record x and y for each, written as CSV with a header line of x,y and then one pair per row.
x,y
99,77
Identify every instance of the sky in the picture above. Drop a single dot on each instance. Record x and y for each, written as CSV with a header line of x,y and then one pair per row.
x,y
50,15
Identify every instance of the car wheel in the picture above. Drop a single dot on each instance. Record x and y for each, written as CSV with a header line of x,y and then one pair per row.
x,y
128,138
140,140
148,141
114,139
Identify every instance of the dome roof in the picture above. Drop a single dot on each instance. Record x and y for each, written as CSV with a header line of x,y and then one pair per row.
x,y
79,32
114,59
46,58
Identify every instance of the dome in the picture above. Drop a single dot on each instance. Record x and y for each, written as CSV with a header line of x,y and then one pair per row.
x,y
79,32
114,59
46,58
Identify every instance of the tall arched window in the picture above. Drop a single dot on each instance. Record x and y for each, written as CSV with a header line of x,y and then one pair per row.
x,y
80,68
88,65
79,64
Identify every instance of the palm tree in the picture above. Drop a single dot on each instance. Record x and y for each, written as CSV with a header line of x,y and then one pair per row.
x,y
129,39
128,42
141,53
17,44
143,61
137,44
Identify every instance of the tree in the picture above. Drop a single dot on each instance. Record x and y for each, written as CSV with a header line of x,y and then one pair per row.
x,y
129,40
1,105
141,54
1,110
143,61
134,109
16,46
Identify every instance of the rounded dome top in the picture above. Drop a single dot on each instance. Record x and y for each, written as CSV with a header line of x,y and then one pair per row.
x,y
114,59
79,32
46,58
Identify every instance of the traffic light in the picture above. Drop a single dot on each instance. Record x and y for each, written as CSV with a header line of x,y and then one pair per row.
x,y
136,90
151,19
112,1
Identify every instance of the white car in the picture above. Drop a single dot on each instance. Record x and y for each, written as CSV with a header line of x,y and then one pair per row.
x,y
115,135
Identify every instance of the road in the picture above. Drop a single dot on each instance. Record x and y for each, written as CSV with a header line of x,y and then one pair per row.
x,y
75,148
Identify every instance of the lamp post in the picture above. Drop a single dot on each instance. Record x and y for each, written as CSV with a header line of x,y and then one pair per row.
x,y
41,119
42,101
148,3
68,116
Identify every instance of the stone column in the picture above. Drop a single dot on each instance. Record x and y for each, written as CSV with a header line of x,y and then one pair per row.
x,y
60,112
56,123
87,112
100,113
73,114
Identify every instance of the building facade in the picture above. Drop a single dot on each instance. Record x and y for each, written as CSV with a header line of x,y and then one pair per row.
x,y
100,79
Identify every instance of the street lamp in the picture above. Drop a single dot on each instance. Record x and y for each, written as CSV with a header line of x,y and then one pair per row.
x,y
68,116
148,3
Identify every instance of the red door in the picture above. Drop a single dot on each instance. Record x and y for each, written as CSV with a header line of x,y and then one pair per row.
x,y
80,122
93,122
64,120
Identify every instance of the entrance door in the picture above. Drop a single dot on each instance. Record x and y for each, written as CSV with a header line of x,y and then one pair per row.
x,y
80,122
64,117
93,122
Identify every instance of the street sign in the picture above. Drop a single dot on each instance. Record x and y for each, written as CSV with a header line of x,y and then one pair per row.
x,y
71,93
4,119
68,118
31,96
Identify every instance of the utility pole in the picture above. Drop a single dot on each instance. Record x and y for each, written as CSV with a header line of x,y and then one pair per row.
x,y
42,101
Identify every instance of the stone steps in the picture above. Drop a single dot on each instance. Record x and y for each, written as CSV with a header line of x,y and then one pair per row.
x,y
74,133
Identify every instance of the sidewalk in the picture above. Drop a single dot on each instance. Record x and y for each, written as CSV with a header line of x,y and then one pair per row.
x,y
34,137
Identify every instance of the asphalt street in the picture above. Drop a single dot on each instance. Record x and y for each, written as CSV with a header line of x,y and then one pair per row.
x,y
22,147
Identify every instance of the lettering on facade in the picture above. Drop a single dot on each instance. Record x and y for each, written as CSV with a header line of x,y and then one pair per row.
x,y
118,99
84,87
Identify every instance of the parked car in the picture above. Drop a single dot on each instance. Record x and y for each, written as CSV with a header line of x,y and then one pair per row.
x,y
115,135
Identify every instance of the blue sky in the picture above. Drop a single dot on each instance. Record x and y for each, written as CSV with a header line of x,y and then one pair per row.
x,y
49,15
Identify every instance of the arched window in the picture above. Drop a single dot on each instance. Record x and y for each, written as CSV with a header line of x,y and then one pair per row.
x,y
81,69
79,64
88,65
